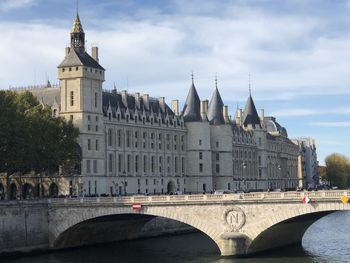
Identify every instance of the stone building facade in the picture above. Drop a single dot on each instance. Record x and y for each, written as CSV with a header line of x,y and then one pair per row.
x,y
133,143
307,162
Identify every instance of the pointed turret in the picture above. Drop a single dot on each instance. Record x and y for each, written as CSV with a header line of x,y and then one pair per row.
x,y
250,115
191,110
215,114
77,35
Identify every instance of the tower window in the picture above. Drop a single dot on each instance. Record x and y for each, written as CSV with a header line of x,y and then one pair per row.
x,y
95,99
72,98
76,68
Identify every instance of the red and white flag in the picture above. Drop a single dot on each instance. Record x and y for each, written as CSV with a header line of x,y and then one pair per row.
x,y
306,199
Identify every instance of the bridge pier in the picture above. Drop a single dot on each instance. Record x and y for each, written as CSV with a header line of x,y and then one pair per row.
x,y
233,244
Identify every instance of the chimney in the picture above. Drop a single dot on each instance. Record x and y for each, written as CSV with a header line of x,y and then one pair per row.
x,y
225,112
162,103
239,116
261,114
94,53
137,99
175,106
145,98
204,109
66,51
125,98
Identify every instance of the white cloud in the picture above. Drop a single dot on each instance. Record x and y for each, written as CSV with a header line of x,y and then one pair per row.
x,y
331,124
299,112
155,54
6,5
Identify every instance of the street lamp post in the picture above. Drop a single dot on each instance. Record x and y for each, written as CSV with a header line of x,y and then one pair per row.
x,y
244,165
197,187
279,174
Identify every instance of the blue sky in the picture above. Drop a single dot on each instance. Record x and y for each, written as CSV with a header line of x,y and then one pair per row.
x,y
297,52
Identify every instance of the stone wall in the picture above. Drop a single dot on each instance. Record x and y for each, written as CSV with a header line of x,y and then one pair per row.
x,y
23,227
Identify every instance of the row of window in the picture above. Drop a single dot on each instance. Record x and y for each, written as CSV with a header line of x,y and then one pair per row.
x,y
239,154
129,138
152,120
72,99
162,164
86,69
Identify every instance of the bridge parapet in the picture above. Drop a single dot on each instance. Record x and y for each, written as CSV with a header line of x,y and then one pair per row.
x,y
237,198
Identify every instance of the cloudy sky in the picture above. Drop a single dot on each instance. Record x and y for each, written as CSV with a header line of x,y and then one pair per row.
x,y
297,52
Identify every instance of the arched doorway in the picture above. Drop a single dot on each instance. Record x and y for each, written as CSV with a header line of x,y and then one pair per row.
x,y
13,191
27,191
171,187
53,191
37,190
2,192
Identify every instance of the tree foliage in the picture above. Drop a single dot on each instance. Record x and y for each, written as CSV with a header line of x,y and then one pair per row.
x,y
30,138
338,170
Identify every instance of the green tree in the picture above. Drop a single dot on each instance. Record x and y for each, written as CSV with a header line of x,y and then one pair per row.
x,y
338,170
31,139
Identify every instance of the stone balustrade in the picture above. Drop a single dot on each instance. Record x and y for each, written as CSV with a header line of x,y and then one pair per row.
x,y
210,198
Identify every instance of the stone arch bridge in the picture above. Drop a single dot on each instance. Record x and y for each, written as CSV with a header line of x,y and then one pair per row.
x,y
239,224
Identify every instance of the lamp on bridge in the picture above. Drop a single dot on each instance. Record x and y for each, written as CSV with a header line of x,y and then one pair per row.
x,y
244,166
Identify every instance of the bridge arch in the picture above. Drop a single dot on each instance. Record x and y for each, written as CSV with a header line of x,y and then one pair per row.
x,y
288,227
69,221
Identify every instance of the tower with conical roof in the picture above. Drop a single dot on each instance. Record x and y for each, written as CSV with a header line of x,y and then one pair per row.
x,y
198,155
221,142
81,77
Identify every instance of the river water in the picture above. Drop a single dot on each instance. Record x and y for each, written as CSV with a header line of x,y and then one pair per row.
x,y
328,240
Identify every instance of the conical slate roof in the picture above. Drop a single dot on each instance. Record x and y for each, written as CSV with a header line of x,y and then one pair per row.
x,y
214,114
191,110
250,115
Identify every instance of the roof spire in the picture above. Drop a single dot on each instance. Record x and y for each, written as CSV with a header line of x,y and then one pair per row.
x,y
249,85
216,80
192,76
77,7
77,34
